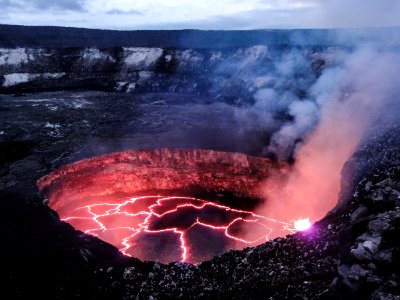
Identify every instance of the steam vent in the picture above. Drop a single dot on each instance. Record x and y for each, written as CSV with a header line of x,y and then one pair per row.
x,y
166,204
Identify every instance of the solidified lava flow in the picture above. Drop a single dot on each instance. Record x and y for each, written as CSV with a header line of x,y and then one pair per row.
x,y
145,202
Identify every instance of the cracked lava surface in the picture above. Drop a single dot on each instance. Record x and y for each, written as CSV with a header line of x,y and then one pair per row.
x,y
173,228
112,197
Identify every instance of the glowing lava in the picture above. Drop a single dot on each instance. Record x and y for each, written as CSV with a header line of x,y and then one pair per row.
x,y
302,224
119,198
187,229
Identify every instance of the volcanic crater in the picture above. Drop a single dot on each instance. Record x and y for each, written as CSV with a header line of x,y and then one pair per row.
x,y
167,204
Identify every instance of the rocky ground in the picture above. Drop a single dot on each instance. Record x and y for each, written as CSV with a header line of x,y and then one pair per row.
x,y
352,253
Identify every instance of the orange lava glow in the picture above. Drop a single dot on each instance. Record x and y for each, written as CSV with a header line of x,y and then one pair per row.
x,y
187,229
146,203
302,224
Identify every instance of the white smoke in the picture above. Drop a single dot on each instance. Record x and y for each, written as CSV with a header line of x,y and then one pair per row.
x,y
305,116
317,117
344,103
279,83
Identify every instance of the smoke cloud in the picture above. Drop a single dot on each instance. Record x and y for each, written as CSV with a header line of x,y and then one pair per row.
x,y
316,107
279,81
344,103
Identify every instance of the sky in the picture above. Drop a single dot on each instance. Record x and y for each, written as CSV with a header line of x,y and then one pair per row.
x,y
202,14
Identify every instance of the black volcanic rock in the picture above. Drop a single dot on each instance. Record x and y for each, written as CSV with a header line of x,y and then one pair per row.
x,y
369,266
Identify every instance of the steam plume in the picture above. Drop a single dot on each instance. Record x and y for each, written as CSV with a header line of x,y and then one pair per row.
x,y
344,103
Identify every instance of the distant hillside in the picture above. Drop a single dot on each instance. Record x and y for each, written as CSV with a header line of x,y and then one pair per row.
x,y
35,36
49,36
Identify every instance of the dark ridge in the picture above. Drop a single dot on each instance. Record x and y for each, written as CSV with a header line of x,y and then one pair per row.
x,y
49,36
52,36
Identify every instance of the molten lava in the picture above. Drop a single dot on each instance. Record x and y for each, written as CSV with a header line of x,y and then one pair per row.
x,y
172,228
302,224
125,199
